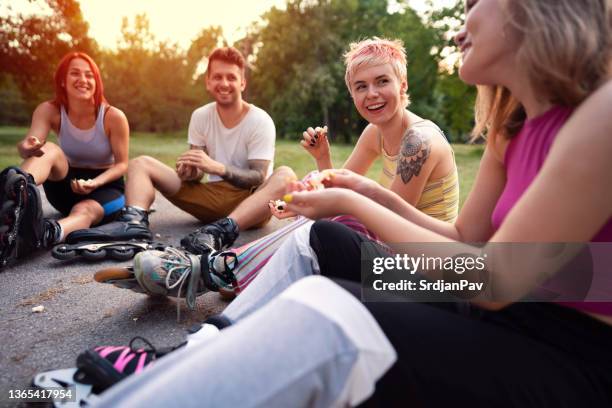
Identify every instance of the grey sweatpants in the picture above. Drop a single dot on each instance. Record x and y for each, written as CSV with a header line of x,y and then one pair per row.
x,y
314,345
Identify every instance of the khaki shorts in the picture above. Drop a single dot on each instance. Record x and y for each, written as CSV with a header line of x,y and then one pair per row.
x,y
209,202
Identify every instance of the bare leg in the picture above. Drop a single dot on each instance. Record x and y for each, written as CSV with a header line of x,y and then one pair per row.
x,y
82,215
255,209
51,165
145,175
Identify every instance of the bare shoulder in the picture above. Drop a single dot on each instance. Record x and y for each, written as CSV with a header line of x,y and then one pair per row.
x,y
415,154
114,116
435,139
116,123
46,116
47,110
596,107
369,138
370,133
590,125
417,141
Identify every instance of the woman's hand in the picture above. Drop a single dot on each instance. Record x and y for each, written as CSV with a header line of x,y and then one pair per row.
x,y
318,204
278,208
315,142
30,146
348,179
83,187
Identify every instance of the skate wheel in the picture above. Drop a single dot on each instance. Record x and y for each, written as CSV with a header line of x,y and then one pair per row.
x,y
96,255
62,252
121,254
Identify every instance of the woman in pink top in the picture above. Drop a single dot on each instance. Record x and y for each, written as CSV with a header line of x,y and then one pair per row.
x,y
543,68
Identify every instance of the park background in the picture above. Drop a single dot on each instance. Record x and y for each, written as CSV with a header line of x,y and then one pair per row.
x,y
296,72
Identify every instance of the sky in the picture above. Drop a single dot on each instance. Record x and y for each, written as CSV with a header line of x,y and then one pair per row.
x,y
178,21
175,20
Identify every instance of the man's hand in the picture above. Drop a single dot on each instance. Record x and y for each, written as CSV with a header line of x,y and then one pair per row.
x,y
188,173
30,146
201,161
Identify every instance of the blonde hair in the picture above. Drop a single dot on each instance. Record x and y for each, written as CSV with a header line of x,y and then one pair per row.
x,y
377,51
566,46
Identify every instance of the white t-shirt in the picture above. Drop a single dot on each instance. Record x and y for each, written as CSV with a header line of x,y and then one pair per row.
x,y
252,139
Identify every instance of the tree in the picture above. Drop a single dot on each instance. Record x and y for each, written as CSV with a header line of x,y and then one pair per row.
x,y
31,46
153,82
298,69
453,105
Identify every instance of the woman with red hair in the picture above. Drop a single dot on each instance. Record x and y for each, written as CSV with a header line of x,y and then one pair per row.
x,y
82,175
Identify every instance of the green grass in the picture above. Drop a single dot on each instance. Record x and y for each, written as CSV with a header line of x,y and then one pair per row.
x,y
168,146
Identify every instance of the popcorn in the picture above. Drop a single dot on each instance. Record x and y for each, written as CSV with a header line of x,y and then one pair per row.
x,y
280,205
313,181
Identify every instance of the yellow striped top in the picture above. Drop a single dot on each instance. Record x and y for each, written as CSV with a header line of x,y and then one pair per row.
x,y
440,198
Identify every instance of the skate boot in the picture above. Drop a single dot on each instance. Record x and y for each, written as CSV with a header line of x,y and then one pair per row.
x,y
216,236
165,273
105,366
21,223
119,240
99,369
132,223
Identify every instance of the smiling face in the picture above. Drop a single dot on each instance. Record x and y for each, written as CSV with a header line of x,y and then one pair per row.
x,y
488,44
377,93
225,83
80,81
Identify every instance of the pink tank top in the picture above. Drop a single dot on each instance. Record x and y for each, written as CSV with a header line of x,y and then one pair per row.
x,y
524,158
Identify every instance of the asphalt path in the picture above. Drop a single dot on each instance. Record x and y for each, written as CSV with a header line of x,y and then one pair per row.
x,y
80,313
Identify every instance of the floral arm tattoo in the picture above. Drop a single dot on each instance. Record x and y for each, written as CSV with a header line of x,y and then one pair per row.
x,y
247,178
414,152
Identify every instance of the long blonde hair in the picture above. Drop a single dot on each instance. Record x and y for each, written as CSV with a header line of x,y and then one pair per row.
x,y
566,46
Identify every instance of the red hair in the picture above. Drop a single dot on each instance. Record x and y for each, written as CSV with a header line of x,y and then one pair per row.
x,y
61,98
229,55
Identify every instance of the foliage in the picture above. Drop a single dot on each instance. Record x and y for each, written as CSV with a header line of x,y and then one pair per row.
x,y
31,46
299,74
295,57
153,82
168,146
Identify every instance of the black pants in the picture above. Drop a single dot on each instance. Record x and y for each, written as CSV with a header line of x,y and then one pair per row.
x,y
526,355
110,196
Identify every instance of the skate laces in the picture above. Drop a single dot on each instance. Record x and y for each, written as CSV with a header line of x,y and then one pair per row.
x,y
176,262
181,267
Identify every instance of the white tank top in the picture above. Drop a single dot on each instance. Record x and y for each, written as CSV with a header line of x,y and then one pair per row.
x,y
88,148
